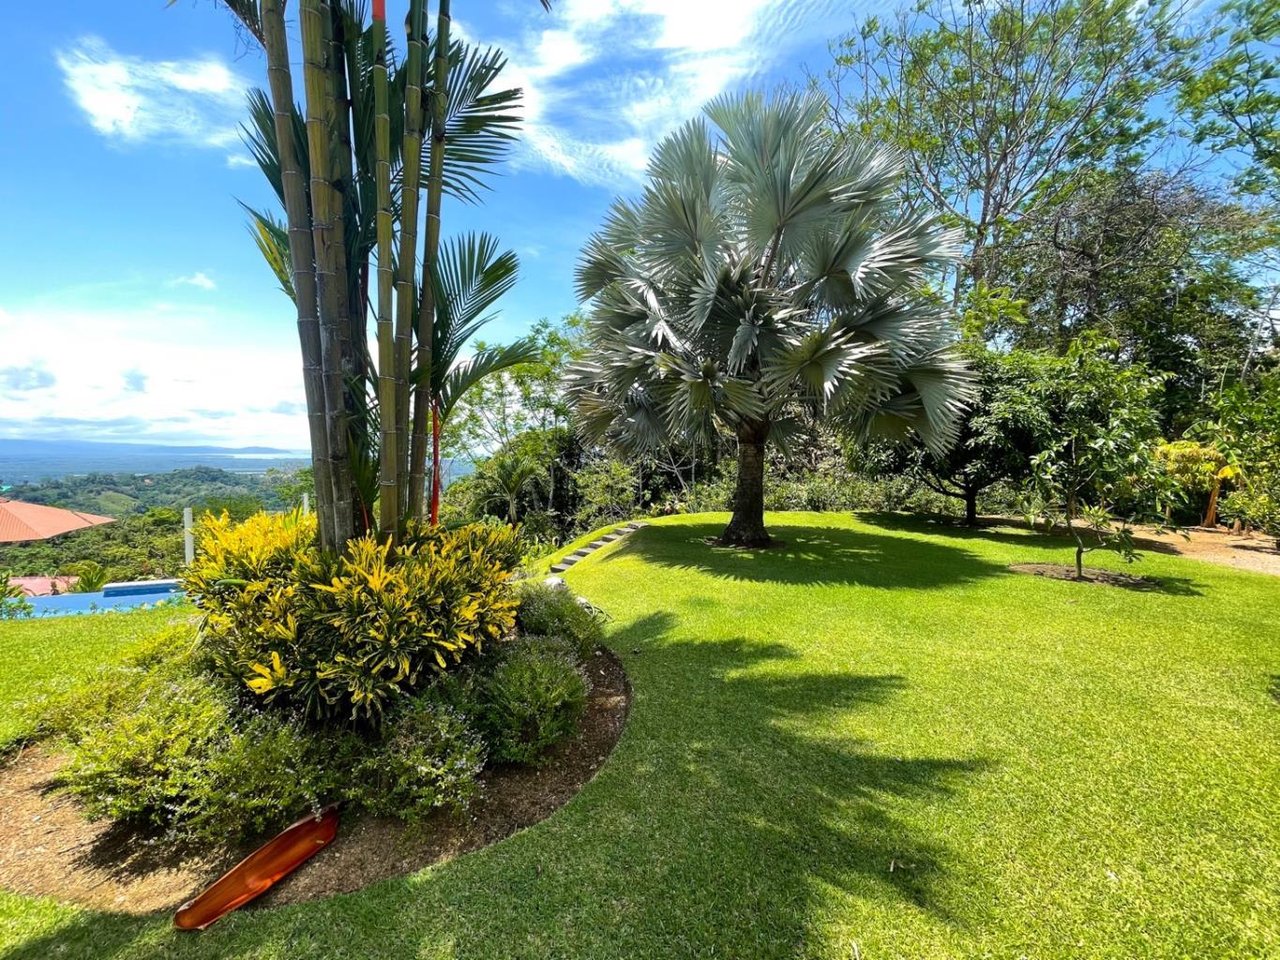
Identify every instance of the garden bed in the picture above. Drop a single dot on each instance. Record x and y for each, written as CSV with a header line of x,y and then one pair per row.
x,y
48,848
1062,571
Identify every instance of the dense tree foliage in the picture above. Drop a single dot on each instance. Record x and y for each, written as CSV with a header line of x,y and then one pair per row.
x,y
998,107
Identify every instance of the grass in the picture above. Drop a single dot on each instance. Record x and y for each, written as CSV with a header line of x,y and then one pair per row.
x,y
875,741
47,653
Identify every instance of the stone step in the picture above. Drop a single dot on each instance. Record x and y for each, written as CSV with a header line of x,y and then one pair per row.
x,y
560,567
584,552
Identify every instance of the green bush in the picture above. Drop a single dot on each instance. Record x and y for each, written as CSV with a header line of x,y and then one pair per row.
x,y
555,612
13,602
532,700
154,743
430,758
345,637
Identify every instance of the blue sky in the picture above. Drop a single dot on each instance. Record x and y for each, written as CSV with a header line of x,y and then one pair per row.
x,y
133,305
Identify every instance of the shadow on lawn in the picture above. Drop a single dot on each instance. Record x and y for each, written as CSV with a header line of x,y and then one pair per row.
x,y
1010,532
810,555
735,816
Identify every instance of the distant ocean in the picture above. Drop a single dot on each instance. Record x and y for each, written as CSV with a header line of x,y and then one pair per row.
x,y
30,461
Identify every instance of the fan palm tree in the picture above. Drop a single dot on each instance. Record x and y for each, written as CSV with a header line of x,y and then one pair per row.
x,y
504,481
765,275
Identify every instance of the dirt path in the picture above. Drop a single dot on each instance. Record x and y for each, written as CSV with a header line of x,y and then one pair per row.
x,y
1219,546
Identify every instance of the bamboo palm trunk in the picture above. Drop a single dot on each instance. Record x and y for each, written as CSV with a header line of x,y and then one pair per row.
x,y
426,394
302,259
389,450
411,180
351,311
326,211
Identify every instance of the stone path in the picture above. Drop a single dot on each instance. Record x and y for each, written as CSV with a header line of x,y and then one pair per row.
x,y
584,552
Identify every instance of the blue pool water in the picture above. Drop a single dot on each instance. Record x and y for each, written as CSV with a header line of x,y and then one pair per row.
x,y
69,603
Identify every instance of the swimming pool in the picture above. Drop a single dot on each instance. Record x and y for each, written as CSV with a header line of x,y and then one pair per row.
x,y
114,596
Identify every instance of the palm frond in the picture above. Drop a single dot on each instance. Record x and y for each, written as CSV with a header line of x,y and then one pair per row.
x,y
271,237
481,120
471,275
466,374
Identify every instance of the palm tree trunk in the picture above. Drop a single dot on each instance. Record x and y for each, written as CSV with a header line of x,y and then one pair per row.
x,y
411,179
746,526
302,259
350,315
326,211
425,393
1211,511
389,448
435,461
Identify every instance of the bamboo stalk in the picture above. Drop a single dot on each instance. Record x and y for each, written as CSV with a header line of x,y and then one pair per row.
x,y
389,450
411,178
325,212
351,312
425,392
302,259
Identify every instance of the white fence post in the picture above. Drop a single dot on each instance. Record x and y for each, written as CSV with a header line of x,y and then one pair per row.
x,y
188,535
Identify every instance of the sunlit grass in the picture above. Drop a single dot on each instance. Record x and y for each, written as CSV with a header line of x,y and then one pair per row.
x,y
873,741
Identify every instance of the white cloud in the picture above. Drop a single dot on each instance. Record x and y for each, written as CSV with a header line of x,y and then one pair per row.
x,y
199,102
609,78
198,279
149,374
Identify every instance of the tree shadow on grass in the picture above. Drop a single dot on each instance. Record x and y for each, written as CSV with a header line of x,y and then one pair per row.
x,y
739,815
810,555
1010,532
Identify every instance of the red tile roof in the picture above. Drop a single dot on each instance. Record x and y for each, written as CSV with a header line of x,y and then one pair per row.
x,y
33,521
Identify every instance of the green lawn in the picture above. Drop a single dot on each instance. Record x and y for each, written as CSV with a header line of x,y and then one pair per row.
x,y
875,742
40,655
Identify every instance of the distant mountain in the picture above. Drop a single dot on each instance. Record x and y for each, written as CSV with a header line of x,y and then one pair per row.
x,y
39,448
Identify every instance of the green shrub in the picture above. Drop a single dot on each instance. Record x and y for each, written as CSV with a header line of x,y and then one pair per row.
x,y
345,637
430,758
143,764
532,700
555,612
13,602
189,761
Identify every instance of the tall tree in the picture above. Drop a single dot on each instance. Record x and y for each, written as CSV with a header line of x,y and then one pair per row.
x,y
766,270
1234,102
347,168
998,105
1154,262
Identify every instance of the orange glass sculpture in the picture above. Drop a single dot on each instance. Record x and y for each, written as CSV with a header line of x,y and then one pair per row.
x,y
257,873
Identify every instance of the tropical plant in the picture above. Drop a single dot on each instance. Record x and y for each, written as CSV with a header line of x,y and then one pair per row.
x,y
765,274
90,576
348,168
533,699
346,636
1199,470
504,480
13,602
